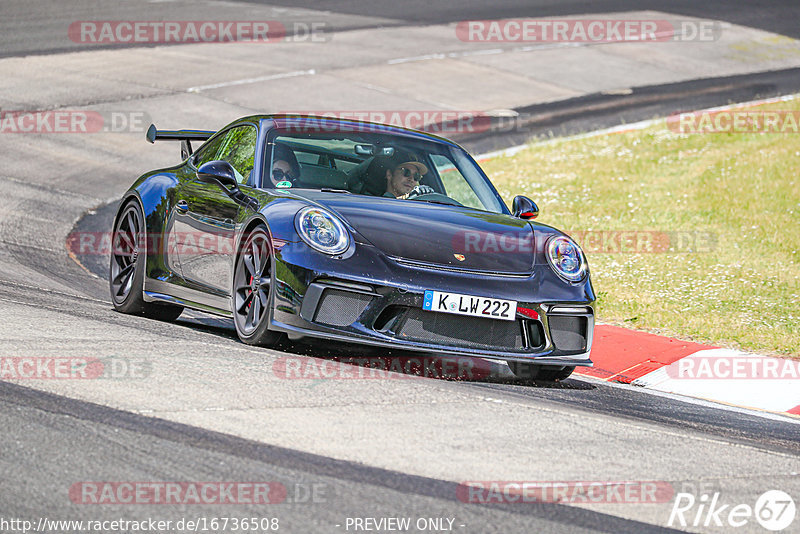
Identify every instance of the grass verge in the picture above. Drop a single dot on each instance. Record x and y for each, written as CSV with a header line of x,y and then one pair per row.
x,y
720,212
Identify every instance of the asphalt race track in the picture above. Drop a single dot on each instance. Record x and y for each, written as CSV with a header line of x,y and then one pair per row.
x,y
189,403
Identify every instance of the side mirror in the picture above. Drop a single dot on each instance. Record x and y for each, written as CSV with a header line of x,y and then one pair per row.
x,y
222,174
218,172
524,208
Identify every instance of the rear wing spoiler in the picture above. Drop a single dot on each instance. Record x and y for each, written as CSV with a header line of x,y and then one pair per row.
x,y
184,136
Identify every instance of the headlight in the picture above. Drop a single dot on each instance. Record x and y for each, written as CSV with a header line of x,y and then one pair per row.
x,y
322,230
566,258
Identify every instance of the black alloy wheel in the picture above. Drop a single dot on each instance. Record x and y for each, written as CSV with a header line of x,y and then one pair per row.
x,y
252,286
126,269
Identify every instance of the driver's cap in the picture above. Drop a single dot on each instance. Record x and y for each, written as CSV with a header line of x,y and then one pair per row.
x,y
405,157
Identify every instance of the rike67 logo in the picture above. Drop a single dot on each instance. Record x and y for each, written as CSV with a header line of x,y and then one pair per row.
x,y
774,510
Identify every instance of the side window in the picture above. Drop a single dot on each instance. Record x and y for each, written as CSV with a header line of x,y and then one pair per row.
x,y
208,152
239,149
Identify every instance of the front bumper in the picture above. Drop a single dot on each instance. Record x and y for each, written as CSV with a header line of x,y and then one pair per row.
x,y
385,310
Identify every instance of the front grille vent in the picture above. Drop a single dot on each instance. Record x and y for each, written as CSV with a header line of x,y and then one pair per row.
x,y
568,332
340,308
460,331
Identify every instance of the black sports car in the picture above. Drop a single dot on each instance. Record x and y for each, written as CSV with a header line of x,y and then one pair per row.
x,y
351,231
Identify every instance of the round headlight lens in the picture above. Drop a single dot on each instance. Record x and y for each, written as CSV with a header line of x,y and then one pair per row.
x,y
566,258
322,230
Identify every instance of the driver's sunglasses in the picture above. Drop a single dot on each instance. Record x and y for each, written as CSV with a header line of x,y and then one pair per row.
x,y
279,175
408,173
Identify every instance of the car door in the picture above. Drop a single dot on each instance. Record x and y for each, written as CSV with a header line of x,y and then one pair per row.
x,y
206,216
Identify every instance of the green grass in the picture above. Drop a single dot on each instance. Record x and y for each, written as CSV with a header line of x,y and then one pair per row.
x,y
741,289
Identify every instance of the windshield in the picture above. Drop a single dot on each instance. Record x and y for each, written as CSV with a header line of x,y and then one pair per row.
x,y
379,165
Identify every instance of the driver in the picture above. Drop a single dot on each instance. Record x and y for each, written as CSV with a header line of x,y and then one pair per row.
x,y
404,171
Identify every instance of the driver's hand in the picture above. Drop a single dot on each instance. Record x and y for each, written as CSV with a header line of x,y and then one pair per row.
x,y
419,190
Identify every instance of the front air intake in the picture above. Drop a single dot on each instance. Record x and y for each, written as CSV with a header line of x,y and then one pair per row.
x,y
340,308
568,332
461,331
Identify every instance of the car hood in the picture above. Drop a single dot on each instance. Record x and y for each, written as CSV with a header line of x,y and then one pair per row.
x,y
447,236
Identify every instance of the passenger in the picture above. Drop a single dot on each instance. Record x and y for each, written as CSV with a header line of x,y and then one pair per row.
x,y
285,167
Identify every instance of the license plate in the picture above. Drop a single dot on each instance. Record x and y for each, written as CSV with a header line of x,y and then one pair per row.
x,y
490,308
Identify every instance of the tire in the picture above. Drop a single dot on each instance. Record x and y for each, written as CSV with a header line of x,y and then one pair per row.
x,y
547,373
555,374
252,290
126,268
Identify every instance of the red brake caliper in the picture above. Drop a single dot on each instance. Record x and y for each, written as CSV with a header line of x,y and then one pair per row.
x,y
250,284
